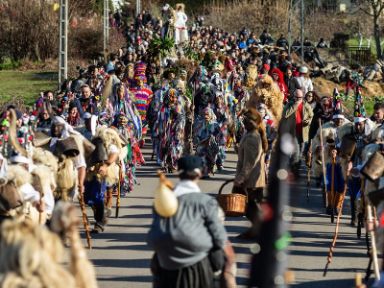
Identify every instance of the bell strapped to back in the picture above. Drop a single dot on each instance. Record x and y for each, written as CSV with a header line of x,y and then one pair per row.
x,y
348,146
374,167
165,203
98,155
67,147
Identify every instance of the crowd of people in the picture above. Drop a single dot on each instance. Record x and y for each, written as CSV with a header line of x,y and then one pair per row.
x,y
211,92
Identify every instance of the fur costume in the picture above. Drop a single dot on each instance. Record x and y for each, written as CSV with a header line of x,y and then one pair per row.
x,y
329,131
65,222
66,178
111,137
23,181
267,92
45,157
31,256
251,76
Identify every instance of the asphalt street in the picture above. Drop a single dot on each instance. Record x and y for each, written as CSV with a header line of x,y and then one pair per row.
x,y
122,258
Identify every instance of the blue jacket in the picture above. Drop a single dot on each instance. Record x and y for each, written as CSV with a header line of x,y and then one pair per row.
x,y
338,178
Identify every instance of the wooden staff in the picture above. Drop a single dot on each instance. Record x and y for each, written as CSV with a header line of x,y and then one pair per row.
x,y
85,219
333,244
333,194
308,181
118,192
323,163
370,225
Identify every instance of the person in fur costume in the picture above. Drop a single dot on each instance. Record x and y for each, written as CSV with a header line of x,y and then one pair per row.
x,y
268,92
278,77
72,164
32,256
251,75
103,174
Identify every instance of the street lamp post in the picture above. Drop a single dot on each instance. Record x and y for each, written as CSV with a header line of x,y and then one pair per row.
x,y
63,42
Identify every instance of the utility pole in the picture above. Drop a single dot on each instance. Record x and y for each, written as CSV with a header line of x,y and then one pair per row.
x,y
106,27
63,42
290,26
302,30
138,7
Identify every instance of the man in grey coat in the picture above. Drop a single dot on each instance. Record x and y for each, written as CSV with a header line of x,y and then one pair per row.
x,y
185,243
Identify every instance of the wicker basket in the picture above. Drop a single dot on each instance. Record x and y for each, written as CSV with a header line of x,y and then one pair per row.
x,y
233,204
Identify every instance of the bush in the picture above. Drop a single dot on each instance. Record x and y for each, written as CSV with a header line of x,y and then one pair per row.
x,y
28,29
9,64
86,41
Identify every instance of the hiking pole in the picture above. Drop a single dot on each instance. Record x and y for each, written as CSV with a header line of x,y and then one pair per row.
x,y
323,164
85,219
118,193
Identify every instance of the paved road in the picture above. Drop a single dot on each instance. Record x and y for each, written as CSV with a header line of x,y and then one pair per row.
x,y
122,258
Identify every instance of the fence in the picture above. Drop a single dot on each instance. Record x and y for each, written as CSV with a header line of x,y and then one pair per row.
x,y
360,55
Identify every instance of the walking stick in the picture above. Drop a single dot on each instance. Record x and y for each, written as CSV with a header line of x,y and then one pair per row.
x,y
85,219
333,244
333,195
308,181
370,227
309,166
323,163
118,193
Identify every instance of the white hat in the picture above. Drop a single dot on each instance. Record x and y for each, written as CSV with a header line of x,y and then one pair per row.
x,y
303,69
20,159
338,116
359,119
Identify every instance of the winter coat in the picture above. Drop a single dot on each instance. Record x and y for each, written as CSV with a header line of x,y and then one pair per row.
x,y
338,185
250,170
290,109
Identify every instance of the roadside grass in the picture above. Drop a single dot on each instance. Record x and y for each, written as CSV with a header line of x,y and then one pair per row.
x,y
25,85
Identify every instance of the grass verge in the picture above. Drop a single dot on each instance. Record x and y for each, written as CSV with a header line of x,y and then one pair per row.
x,y
25,85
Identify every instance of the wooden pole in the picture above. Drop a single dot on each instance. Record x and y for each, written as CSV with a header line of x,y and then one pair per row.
x,y
85,219
118,192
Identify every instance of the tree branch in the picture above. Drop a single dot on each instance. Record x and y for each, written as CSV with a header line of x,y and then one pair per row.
x,y
366,12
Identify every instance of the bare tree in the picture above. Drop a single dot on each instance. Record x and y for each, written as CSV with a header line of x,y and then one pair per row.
x,y
374,8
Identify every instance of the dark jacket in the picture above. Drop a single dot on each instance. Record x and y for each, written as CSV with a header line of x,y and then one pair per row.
x,y
187,237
